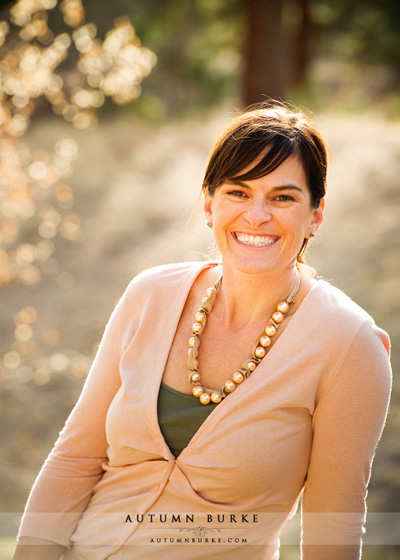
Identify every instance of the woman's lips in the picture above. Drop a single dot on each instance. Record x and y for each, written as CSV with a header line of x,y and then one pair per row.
x,y
255,240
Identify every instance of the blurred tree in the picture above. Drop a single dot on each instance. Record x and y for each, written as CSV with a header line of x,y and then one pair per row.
x,y
274,54
284,36
265,51
210,49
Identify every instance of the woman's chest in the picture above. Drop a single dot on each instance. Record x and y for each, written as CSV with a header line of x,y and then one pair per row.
x,y
257,437
220,354
218,357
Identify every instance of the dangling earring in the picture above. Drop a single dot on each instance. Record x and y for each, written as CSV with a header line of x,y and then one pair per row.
x,y
311,235
209,224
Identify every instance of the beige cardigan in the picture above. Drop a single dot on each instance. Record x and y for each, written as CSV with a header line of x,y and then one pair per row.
x,y
308,419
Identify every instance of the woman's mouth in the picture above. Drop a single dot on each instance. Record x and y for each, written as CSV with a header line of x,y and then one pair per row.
x,y
255,240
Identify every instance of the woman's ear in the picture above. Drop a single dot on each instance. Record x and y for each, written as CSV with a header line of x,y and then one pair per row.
x,y
207,204
317,217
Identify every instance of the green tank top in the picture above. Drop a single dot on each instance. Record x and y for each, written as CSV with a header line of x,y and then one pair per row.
x,y
179,417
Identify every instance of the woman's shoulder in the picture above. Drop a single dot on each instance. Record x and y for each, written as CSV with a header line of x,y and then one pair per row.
x,y
347,341
343,316
155,292
335,300
167,277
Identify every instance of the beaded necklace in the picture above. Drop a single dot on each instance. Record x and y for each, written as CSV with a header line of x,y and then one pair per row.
x,y
259,350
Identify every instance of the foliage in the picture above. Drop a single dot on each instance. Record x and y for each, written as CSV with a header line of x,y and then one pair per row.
x,y
33,194
198,46
365,30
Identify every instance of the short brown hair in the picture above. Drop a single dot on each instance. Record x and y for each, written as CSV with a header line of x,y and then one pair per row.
x,y
278,129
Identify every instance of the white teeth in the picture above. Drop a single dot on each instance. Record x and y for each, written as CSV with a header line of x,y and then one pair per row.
x,y
258,240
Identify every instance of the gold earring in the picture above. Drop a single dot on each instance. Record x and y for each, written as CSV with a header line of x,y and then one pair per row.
x,y
209,224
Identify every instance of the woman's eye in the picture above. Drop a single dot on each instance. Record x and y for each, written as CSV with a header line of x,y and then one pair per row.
x,y
284,198
240,194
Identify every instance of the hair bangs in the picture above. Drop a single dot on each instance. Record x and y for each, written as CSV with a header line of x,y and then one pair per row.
x,y
276,153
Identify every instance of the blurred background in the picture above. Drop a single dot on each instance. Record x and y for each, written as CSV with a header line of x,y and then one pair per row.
x,y
107,116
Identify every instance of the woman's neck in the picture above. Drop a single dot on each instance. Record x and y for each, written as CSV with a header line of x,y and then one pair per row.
x,y
246,298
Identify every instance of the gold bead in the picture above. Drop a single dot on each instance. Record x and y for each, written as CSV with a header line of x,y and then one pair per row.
x,y
265,341
270,330
205,398
195,377
259,352
199,316
216,397
230,386
192,341
196,327
197,390
251,366
277,317
238,377
282,307
209,291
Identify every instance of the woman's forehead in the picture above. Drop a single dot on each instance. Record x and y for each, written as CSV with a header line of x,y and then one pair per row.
x,y
270,164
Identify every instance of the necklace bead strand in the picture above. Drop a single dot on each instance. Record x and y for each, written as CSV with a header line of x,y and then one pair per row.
x,y
259,350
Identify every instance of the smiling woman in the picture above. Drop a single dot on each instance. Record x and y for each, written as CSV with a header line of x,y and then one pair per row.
x,y
272,213
285,397
259,141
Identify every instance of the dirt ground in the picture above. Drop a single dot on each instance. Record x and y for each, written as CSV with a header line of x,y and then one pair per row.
x,y
135,186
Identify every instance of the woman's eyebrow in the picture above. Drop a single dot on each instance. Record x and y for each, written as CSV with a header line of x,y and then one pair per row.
x,y
238,183
277,188
287,187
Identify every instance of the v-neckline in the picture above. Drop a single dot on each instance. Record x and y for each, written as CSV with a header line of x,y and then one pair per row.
x,y
182,293
171,328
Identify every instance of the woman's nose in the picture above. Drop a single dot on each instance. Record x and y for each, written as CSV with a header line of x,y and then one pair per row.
x,y
258,213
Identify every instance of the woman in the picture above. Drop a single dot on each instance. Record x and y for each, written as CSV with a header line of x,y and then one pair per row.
x,y
156,460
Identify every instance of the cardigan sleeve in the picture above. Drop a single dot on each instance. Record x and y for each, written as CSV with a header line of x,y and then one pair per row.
x,y
74,466
347,424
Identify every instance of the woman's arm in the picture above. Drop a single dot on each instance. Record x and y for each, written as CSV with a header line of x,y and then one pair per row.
x,y
29,548
63,488
347,424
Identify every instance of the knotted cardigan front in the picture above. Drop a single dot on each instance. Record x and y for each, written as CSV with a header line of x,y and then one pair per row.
x,y
308,419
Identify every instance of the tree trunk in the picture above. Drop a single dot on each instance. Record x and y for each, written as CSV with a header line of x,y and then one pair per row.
x,y
302,42
266,72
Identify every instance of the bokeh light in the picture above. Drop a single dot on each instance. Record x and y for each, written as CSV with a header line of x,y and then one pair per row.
x,y
58,362
51,336
11,360
34,180
36,201
73,12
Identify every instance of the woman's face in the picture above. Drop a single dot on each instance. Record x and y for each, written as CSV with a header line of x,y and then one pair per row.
x,y
259,225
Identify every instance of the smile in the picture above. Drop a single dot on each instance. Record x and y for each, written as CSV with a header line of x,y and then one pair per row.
x,y
255,240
